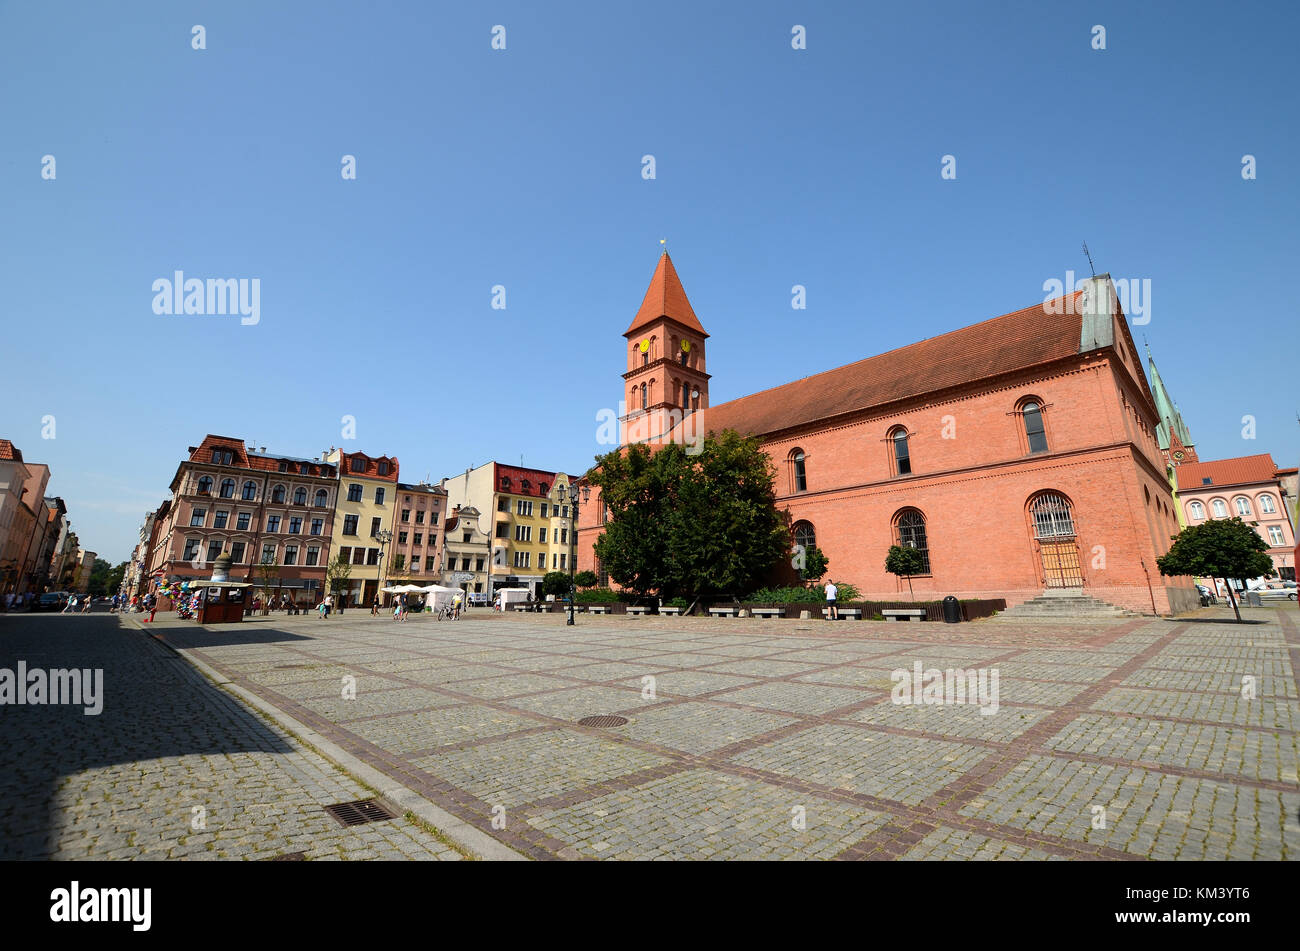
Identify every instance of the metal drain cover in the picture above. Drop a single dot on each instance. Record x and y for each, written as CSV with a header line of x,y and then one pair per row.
x,y
603,721
360,812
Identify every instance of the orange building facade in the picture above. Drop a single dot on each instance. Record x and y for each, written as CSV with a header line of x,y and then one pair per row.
x,y
1019,454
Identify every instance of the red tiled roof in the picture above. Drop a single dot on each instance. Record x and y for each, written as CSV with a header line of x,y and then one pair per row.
x,y
9,451
1239,471
665,298
1003,344
536,479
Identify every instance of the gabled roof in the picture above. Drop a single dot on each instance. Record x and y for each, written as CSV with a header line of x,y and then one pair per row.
x,y
1242,470
1036,335
9,451
665,298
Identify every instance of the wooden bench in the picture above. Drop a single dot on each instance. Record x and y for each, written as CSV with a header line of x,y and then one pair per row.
x,y
903,614
844,613
637,609
723,611
769,612
599,609
671,610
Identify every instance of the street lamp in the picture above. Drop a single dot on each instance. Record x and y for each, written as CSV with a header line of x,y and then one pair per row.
x,y
574,493
384,536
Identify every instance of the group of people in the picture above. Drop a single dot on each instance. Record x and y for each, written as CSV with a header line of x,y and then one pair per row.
x,y
77,604
16,602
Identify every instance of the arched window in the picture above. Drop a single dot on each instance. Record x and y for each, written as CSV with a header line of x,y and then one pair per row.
x,y
300,496
1052,516
250,490
205,485
277,494
1035,434
902,456
1220,508
681,355
686,396
799,471
645,358
1197,510
227,488
1243,505
644,404
1266,504
322,498
804,535
910,529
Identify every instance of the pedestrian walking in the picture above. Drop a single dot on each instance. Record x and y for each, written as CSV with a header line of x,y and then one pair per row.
x,y
374,607
71,605
85,604
832,612
329,604
455,607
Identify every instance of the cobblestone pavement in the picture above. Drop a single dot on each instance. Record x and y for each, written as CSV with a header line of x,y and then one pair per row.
x,y
172,767
751,738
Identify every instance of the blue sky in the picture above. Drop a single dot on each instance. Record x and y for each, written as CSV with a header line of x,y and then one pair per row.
x,y
477,167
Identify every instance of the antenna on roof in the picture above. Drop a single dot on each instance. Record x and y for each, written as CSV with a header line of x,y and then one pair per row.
x,y
1089,257
664,242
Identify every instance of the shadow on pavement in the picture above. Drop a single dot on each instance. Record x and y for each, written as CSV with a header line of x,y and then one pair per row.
x,y
154,706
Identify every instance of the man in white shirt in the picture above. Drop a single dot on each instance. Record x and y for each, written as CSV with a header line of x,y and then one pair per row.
x,y
833,612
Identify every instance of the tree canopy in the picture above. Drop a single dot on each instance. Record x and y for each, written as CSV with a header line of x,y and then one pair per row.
x,y
1220,548
904,561
690,525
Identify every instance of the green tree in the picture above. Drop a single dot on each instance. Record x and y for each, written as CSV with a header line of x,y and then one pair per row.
x,y
1220,548
904,562
556,583
690,524
98,582
115,576
336,575
811,563
586,579
269,572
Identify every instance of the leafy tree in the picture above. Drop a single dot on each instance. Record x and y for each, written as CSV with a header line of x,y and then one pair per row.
x,y
905,561
586,579
812,563
556,583
98,582
115,576
269,572
1220,548
690,525
336,575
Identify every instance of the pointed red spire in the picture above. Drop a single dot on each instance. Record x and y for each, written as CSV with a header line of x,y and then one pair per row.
x,y
665,298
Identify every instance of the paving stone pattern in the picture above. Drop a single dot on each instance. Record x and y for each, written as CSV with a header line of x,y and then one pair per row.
x,y
1123,739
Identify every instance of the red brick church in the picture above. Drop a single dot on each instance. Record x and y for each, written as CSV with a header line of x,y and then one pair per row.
x,y
1018,454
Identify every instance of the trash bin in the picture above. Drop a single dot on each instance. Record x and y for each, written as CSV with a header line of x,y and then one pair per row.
x,y
951,610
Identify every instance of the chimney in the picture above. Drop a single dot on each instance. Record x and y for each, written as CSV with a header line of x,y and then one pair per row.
x,y
263,449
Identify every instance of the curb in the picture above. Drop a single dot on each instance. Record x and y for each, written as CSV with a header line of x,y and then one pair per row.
x,y
467,837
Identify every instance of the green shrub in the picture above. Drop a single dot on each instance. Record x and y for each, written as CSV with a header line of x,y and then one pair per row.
x,y
597,596
798,595
676,603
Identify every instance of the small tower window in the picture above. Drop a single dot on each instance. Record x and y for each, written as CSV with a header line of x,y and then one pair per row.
x,y
1034,431
902,455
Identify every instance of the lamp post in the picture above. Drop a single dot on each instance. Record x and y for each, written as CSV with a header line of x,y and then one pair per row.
x,y
383,536
574,493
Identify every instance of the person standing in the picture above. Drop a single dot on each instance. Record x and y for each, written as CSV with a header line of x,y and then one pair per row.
x,y
832,612
374,607
329,604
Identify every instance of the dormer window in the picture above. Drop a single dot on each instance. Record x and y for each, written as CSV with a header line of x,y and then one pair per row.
x,y
383,467
358,464
284,465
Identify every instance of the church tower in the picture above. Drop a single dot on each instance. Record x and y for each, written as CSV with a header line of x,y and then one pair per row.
x,y
665,379
1172,434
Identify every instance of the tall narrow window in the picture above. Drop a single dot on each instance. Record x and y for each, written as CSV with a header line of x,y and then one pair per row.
x,y
322,498
911,534
227,488
1034,431
300,496
902,456
277,494
250,491
800,472
686,396
643,397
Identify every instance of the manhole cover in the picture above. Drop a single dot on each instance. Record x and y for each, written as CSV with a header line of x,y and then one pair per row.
x,y
603,721
360,812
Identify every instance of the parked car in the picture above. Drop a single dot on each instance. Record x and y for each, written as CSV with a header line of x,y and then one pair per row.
x,y
1208,597
50,601
1277,594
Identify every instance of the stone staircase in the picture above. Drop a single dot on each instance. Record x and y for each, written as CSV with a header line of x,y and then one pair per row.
x,y
1065,603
